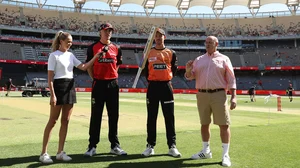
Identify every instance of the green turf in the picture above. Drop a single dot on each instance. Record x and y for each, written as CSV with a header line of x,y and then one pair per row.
x,y
262,137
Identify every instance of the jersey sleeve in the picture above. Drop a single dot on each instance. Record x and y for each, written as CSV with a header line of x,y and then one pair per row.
x,y
174,63
76,62
119,56
51,62
89,53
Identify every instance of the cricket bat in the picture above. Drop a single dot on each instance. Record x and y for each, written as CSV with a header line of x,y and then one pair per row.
x,y
146,51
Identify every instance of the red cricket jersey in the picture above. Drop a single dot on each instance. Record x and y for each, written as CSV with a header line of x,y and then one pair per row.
x,y
105,68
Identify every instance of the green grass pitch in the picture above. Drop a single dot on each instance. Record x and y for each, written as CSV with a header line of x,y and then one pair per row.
x,y
262,137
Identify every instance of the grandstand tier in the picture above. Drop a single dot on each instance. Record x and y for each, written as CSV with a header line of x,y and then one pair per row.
x,y
26,34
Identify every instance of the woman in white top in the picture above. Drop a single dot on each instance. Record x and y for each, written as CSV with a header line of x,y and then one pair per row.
x,y
61,83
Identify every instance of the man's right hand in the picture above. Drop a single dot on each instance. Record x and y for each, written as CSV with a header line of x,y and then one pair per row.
x,y
189,66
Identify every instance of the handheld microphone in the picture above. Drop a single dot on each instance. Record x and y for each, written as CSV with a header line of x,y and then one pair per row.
x,y
103,52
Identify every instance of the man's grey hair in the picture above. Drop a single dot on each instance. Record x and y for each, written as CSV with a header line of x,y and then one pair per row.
x,y
214,38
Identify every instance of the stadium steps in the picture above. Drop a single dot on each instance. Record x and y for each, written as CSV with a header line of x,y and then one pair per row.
x,y
22,53
28,53
137,58
242,60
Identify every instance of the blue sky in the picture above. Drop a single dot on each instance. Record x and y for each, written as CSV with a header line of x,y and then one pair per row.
x,y
164,9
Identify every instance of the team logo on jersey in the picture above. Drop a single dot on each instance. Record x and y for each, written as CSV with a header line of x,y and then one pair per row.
x,y
159,66
106,60
152,59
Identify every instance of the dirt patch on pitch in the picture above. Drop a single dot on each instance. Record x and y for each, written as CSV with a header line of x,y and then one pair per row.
x,y
5,119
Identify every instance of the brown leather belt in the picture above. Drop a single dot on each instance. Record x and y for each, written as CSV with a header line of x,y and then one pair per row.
x,y
210,90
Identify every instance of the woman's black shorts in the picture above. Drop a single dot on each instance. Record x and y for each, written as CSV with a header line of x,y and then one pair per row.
x,y
64,90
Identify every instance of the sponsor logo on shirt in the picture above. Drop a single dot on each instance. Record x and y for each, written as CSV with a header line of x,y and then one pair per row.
x,y
106,60
159,66
152,59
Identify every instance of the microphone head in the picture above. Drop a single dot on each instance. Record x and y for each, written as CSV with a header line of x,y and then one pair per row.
x,y
106,48
103,52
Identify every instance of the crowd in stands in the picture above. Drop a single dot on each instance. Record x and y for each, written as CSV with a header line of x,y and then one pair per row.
x,y
269,53
125,25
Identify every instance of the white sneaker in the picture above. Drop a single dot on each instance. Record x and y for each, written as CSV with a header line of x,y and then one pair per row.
x,y
90,152
63,156
46,158
149,151
202,155
174,152
226,161
118,151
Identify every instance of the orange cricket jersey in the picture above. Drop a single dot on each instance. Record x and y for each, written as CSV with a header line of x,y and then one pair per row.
x,y
159,65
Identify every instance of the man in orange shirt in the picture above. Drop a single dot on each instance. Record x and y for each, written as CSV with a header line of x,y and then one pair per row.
x,y
160,68
214,75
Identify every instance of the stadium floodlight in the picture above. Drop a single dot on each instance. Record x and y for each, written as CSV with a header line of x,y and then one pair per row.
x,y
149,4
218,4
115,3
183,7
253,4
79,1
183,4
78,4
292,2
293,6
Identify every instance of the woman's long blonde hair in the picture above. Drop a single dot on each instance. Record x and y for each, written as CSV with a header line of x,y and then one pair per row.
x,y
56,41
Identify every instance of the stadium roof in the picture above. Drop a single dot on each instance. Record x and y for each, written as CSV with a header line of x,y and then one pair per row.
x,y
214,4
183,5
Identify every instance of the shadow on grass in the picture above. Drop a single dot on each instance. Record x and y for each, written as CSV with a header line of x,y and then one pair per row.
x,y
167,164
105,157
17,160
13,96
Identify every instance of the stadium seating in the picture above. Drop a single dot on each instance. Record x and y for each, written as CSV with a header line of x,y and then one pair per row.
x,y
129,57
219,27
30,53
125,25
256,26
178,82
80,54
246,80
126,80
287,25
10,51
82,79
276,80
251,59
271,52
48,19
42,53
235,58
144,25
